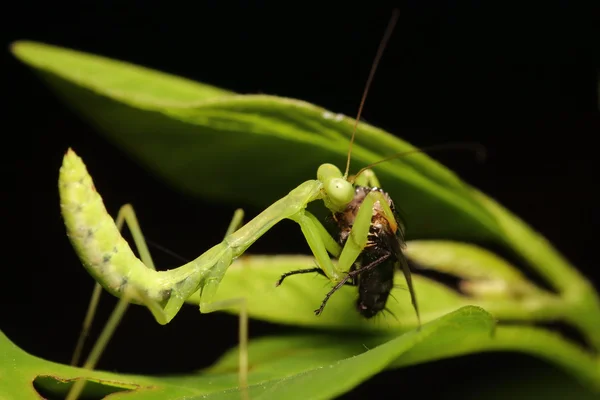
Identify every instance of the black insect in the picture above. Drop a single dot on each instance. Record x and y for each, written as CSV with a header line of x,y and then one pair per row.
x,y
373,271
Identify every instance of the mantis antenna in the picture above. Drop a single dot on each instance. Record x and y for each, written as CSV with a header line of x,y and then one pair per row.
x,y
379,54
477,148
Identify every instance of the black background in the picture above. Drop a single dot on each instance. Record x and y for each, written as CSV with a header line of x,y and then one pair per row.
x,y
523,82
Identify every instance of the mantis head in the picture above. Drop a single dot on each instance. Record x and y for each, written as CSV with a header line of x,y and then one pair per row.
x,y
337,191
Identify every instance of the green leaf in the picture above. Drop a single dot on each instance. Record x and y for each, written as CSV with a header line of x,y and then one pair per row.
x,y
489,281
304,366
179,129
483,273
253,277
297,367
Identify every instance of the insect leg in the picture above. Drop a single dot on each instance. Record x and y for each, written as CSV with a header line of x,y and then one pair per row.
x,y
389,215
331,292
87,323
298,272
320,243
207,305
236,222
370,266
357,239
368,179
351,275
330,243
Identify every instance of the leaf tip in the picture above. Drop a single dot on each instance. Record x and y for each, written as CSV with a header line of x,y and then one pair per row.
x,y
19,48
16,46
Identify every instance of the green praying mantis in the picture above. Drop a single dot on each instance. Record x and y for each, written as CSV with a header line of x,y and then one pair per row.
x,y
107,256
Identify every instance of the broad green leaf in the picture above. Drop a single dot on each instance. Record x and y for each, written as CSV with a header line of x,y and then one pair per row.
x,y
253,277
483,273
294,302
540,343
535,342
306,366
312,366
180,129
462,259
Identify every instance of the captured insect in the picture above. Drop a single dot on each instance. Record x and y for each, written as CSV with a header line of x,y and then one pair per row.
x,y
368,249
373,270
375,228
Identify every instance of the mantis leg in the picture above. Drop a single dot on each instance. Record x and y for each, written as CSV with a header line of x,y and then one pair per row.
x,y
372,181
320,242
126,215
368,179
357,239
87,323
207,305
236,222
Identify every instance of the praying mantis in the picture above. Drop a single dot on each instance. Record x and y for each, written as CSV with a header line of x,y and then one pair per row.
x,y
108,258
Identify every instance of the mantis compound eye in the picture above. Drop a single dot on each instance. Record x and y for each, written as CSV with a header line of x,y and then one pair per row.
x,y
340,192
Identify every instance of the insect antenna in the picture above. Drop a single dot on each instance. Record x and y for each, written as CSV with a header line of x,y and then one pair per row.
x,y
378,55
477,148
167,251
